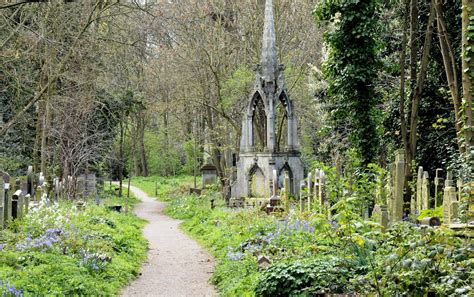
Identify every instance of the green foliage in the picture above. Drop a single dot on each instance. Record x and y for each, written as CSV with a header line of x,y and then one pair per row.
x,y
163,158
437,212
164,188
351,69
310,254
57,250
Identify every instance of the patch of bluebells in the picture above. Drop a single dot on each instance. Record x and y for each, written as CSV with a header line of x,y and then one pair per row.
x,y
93,261
294,226
10,290
44,242
235,256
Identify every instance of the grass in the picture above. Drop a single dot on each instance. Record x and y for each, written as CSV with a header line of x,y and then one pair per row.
x,y
164,188
58,250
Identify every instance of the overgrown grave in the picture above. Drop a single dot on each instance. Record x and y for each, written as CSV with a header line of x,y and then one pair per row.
x,y
19,195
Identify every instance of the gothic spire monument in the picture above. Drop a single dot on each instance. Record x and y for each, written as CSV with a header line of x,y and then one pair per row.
x,y
269,138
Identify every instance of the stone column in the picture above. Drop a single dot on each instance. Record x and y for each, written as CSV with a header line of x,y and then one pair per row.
x,y
425,191
399,179
270,120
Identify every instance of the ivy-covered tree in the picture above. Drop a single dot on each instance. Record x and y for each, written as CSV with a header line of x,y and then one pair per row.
x,y
351,70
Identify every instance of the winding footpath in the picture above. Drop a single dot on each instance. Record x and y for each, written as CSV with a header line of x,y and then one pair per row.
x,y
176,265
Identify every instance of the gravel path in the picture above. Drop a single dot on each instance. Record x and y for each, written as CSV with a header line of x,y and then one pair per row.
x,y
176,265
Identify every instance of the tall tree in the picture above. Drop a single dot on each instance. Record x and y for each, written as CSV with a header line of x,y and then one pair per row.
x,y
352,69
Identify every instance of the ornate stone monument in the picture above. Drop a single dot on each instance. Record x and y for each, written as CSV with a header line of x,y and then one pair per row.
x,y
269,138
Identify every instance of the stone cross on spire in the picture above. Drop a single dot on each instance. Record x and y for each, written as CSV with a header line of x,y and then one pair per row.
x,y
269,50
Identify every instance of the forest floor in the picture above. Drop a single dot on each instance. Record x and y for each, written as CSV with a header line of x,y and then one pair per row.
x,y
176,265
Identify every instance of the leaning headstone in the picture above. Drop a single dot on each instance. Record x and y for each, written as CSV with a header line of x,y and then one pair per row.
x,y
399,179
425,191
419,187
2,202
438,181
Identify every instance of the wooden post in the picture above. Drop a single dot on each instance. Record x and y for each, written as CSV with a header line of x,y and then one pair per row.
x,y
399,179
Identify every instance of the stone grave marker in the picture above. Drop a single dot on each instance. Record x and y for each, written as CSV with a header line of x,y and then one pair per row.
x,y
438,182
425,191
419,187
29,181
399,179
380,215
449,196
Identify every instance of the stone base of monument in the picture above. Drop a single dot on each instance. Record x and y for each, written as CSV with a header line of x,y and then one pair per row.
x,y
274,205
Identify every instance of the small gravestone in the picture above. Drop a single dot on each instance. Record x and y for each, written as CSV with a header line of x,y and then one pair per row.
x,y
17,205
209,175
263,261
7,206
380,215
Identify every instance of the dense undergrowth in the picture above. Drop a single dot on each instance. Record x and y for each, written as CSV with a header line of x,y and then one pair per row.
x,y
58,250
310,254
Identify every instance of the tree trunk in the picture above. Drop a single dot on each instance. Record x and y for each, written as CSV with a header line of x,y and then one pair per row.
x,y
467,72
451,72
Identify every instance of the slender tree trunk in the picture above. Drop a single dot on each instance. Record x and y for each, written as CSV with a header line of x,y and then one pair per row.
x,y
415,102
467,72
451,72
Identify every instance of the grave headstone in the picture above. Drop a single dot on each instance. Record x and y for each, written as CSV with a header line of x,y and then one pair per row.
x,y
302,189
7,210
419,187
321,198
287,192
399,179
17,205
438,182
29,181
425,191
26,203
449,196
380,215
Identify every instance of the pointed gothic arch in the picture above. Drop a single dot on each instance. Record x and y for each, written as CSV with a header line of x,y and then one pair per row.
x,y
256,182
281,176
258,112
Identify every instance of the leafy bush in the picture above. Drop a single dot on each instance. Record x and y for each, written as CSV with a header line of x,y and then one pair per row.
x,y
57,250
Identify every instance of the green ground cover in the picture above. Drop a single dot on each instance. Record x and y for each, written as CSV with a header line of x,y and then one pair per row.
x,y
58,250
310,254
168,187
